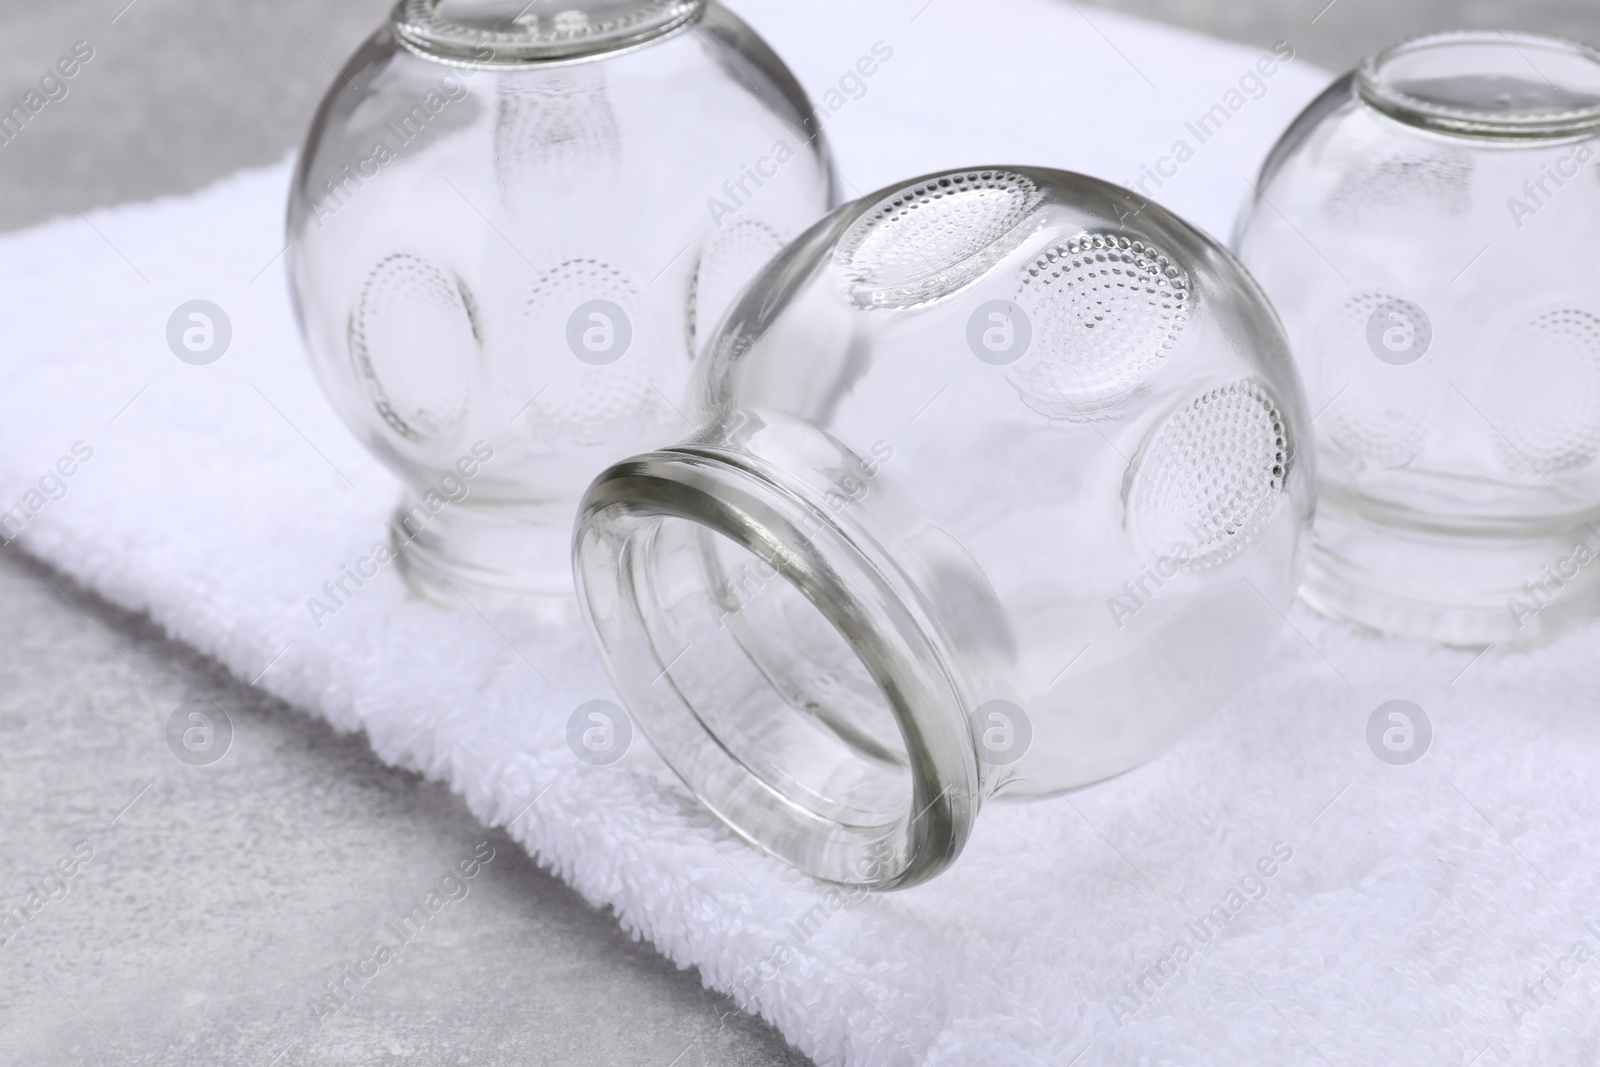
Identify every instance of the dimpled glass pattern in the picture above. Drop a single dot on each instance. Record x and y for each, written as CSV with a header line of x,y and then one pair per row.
x,y
898,569
1213,473
1427,229
510,230
1111,308
934,237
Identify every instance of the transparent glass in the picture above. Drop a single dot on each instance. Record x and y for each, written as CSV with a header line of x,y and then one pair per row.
x,y
998,485
508,233
1427,229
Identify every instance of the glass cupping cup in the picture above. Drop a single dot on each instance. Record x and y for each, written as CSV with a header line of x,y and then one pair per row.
x,y
510,231
999,484
1427,230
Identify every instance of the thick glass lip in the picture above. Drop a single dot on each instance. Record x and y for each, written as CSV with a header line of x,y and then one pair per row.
x,y
1518,86
855,587
542,39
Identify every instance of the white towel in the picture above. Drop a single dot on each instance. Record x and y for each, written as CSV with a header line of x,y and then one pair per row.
x,y
1425,914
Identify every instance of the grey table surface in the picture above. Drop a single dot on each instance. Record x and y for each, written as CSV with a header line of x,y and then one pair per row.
x,y
219,903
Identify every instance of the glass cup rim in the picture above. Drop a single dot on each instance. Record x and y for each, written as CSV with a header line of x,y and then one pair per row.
x,y
418,26
1376,89
731,495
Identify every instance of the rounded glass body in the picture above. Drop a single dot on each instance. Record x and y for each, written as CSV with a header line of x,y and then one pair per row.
x,y
1426,229
998,484
509,233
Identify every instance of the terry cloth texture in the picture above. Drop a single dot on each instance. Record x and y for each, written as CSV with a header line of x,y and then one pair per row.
x,y
1270,892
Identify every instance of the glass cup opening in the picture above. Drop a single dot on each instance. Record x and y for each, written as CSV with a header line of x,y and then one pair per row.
x,y
510,32
775,667
1486,84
